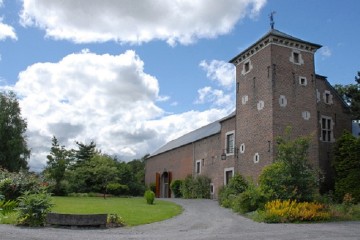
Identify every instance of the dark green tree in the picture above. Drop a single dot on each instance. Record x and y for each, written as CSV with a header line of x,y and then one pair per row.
x,y
351,95
58,161
291,176
347,166
14,151
85,152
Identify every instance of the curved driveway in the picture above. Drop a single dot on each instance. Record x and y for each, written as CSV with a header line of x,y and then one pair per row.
x,y
201,219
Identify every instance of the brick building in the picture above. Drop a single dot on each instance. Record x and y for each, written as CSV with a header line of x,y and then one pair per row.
x,y
276,87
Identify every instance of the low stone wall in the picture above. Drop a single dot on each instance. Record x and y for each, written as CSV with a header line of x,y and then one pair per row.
x,y
77,220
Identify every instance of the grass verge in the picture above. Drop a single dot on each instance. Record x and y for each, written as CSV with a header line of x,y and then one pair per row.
x,y
134,211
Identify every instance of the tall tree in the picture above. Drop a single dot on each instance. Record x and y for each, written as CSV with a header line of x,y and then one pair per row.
x,y
58,161
85,152
347,166
14,151
351,95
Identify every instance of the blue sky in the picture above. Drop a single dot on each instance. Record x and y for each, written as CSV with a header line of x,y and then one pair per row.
x,y
132,75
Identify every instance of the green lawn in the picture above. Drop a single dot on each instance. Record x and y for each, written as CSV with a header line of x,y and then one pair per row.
x,y
134,211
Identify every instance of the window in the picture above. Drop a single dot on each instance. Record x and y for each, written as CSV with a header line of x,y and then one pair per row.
x,y
247,66
244,99
228,174
328,97
303,81
198,166
306,115
326,129
260,105
230,142
296,57
242,148
256,158
282,101
212,189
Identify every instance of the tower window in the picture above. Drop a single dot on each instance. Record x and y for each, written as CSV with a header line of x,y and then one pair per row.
x,y
296,57
247,66
303,81
328,97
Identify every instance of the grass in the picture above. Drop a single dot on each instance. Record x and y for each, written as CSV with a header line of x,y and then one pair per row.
x,y
134,211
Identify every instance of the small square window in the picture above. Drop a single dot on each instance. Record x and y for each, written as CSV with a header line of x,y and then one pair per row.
x,y
302,81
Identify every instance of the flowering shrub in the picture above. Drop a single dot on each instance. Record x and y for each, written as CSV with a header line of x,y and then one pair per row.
x,y
293,211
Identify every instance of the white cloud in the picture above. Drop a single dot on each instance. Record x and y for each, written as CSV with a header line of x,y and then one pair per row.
x,y
6,31
177,21
105,98
215,96
221,72
325,51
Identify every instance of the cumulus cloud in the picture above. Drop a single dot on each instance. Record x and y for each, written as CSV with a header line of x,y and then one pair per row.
x,y
177,21
6,31
216,97
105,98
221,72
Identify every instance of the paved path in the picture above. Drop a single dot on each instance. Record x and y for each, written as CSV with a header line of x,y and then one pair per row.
x,y
201,219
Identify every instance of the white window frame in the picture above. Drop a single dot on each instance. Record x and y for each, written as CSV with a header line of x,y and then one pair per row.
x,y
242,148
260,105
302,81
282,101
228,170
256,158
327,97
327,131
292,57
229,150
250,66
306,115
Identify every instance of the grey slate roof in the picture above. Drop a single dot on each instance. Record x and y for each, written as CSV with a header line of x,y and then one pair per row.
x,y
200,133
277,33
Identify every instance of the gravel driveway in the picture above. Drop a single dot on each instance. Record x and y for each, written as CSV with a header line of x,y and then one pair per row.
x,y
201,219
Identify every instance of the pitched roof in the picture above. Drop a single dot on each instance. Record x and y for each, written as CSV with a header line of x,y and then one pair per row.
x,y
276,33
200,133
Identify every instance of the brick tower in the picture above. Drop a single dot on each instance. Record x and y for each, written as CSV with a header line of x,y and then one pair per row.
x,y
275,88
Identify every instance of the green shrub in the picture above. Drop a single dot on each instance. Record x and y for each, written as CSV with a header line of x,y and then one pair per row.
x,y
198,187
228,193
117,189
33,208
176,188
250,200
7,207
149,196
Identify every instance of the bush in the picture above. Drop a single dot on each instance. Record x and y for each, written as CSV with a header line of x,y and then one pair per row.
x,y
228,193
149,196
279,211
176,188
114,220
13,185
33,208
198,187
250,200
117,189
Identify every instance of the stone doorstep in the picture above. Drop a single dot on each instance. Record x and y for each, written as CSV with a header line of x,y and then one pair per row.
x,y
77,220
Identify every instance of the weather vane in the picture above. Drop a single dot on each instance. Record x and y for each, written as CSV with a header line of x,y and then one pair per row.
x,y
272,23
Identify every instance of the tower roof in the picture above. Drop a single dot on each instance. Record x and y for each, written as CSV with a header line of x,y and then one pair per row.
x,y
275,36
